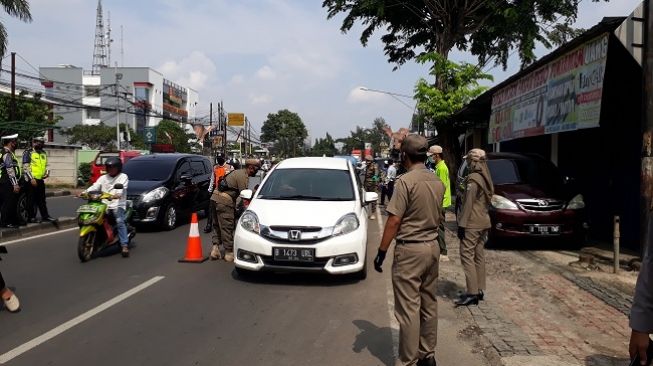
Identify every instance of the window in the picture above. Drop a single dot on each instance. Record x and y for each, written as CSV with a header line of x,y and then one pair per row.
x,y
503,171
184,169
149,169
309,184
142,94
207,166
198,168
92,91
93,114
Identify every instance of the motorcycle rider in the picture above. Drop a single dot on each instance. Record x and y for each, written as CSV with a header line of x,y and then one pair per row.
x,y
118,205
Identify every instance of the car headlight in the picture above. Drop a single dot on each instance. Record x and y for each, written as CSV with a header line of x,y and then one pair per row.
x,y
155,194
502,203
576,203
346,225
249,222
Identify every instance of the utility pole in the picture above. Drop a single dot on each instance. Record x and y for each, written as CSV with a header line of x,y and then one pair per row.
x,y
646,201
211,128
224,126
12,105
118,77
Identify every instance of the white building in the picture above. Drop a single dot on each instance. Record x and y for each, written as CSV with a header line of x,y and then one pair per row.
x,y
145,97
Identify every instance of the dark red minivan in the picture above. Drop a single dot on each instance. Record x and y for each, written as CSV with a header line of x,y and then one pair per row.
x,y
531,199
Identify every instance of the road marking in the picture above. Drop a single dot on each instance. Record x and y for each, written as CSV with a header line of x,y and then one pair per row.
x,y
76,321
38,236
394,325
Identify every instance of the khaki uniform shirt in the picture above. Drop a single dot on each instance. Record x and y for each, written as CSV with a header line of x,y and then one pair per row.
x,y
239,181
417,200
474,212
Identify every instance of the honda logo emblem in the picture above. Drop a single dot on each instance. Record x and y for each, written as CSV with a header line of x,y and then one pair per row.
x,y
542,203
295,235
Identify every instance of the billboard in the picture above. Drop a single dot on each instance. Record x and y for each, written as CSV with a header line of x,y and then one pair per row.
x,y
236,119
564,95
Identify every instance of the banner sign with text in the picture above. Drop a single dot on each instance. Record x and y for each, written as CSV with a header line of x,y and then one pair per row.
x,y
564,95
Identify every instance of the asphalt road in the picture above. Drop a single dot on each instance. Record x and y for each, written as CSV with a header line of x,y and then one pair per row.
x,y
151,310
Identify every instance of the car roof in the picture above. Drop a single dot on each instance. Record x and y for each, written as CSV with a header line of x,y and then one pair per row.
x,y
166,157
314,163
513,156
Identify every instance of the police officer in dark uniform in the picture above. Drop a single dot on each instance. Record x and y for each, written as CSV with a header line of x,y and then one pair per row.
x,y
414,215
9,182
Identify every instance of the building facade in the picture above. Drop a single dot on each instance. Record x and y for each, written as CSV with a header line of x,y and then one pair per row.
x,y
142,95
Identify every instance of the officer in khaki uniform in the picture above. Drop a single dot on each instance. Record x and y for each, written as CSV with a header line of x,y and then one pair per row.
x,y
415,212
227,194
474,224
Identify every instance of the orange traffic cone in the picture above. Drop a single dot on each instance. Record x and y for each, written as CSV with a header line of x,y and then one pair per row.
x,y
194,245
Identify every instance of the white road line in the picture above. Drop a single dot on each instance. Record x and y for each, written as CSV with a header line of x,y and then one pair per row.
x,y
394,325
15,241
75,321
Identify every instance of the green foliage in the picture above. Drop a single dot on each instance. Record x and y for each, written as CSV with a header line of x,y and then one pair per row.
x,y
101,137
17,9
359,136
84,174
456,85
32,116
171,132
489,29
287,131
324,147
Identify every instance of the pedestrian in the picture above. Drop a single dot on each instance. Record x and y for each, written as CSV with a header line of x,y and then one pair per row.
x,y
228,191
8,297
35,172
413,223
641,314
219,171
118,205
441,171
371,181
474,225
383,173
390,178
9,182
220,168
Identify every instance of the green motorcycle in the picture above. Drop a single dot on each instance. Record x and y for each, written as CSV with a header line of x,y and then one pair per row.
x,y
96,232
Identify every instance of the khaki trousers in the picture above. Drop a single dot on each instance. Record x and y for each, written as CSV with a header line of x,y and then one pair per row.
x,y
472,257
226,223
414,281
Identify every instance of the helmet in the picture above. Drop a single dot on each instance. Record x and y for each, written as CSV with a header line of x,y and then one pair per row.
x,y
113,163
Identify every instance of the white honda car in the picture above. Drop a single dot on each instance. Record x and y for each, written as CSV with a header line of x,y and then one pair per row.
x,y
308,215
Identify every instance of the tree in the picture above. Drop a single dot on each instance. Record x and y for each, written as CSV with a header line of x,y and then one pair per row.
x,y
487,28
17,9
360,136
170,132
32,116
286,130
101,137
324,147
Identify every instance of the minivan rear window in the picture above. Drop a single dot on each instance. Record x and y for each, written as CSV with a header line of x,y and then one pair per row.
x,y
504,171
149,169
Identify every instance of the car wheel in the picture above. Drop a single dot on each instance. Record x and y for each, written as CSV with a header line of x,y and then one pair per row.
x,y
170,218
21,208
243,273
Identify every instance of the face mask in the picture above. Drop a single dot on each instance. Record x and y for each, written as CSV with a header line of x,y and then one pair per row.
x,y
431,159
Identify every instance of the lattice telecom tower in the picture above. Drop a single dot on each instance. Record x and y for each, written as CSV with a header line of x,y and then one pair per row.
x,y
100,49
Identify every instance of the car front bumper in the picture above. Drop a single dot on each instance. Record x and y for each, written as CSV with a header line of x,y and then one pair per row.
x,y
521,224
326,252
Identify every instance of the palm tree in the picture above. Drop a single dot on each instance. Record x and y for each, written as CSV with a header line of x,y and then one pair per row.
x,y
18,9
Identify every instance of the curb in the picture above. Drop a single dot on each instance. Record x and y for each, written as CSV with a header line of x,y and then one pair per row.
x,y
57,193
37,229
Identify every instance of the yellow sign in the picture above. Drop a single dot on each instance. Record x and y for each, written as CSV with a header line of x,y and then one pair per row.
x,y
236,119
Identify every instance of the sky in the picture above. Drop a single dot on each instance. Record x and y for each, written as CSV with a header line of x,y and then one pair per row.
x,y
257,56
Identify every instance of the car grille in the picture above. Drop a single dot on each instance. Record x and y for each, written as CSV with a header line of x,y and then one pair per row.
x,y
541,205
307,234
303,229
318,263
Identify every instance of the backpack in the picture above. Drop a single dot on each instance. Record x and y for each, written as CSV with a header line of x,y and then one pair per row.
x,y
223,186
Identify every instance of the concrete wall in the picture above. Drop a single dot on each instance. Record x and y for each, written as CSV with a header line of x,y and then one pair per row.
x,y
62,161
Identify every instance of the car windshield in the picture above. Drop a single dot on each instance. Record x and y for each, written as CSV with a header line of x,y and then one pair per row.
x,y
534,172
149,170
308,184
102,158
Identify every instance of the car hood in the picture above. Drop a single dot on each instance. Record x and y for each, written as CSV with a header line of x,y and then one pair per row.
x,y
300,213
137,187
524,191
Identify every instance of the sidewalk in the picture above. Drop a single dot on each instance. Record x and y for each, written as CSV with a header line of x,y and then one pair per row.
x,y
540,311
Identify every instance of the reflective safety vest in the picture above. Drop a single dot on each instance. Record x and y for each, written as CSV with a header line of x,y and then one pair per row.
x,y
38,164
16,165
218,173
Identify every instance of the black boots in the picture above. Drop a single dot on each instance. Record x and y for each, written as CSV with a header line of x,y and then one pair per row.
x,y
467,300
427,362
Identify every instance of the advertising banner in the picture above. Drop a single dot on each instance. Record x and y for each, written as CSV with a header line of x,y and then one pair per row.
x,y
236,119
564,95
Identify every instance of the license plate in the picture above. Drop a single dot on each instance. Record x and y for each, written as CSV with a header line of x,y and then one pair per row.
x,y
545,230
294,254
87,209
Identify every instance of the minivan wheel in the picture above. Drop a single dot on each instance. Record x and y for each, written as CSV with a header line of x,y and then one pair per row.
x,y
21,208
170,218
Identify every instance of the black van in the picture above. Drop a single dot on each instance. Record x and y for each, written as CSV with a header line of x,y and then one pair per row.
x,y
167,188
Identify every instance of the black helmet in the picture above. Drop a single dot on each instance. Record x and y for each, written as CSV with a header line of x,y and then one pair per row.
x,y
113,163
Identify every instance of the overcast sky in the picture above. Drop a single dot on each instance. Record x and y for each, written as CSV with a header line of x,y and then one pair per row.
x,y
258,56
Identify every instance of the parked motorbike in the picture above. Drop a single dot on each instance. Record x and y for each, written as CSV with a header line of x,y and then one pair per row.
x,y
98,232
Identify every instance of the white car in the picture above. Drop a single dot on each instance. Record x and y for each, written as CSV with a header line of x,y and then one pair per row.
x,y
308,215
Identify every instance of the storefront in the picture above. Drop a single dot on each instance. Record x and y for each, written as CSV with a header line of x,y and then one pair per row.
x,y
579,106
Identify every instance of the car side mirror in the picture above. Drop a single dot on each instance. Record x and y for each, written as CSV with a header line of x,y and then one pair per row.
x,y
247,194
186,178
118,186
370,197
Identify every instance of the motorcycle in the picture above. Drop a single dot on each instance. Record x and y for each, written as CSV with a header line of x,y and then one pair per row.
x,y
96,232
